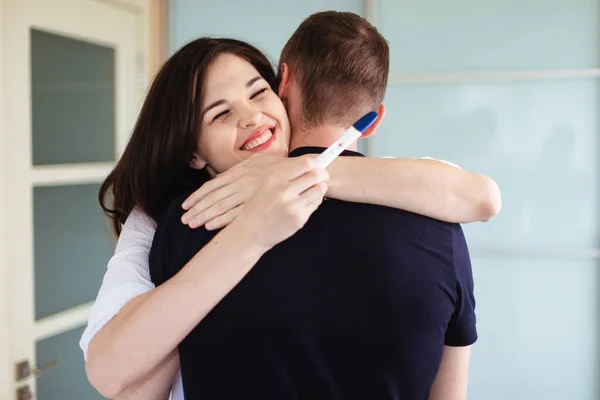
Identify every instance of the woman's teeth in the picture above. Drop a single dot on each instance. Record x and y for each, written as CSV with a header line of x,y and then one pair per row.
x,y
259,140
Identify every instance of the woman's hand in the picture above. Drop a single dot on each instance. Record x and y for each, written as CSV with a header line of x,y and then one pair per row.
x,y
283,202
218,202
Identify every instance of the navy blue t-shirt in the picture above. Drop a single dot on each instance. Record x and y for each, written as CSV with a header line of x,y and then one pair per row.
x,y
357,305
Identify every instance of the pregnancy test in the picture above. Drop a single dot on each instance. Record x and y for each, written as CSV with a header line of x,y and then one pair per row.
x,y
352,134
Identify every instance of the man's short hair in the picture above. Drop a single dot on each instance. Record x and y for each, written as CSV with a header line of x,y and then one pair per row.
x,y
341,63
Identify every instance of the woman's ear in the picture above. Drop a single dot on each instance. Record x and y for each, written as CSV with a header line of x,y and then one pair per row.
x,y
197,161
373,128
283,90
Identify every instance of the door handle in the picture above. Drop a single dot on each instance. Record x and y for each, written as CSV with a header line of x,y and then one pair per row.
x,y
24,370
46,367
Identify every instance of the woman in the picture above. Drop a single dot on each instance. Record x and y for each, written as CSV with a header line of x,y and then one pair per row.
x,y
135,328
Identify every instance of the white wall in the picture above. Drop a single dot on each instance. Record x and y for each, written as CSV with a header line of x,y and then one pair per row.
x,y
5,383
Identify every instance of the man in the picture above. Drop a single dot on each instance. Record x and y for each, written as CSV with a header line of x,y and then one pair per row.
x,y
381,306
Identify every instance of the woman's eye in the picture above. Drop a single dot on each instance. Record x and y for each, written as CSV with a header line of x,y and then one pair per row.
x,y
222,114
261,91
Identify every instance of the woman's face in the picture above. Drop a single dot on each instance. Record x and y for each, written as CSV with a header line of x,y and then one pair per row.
x,y
241,115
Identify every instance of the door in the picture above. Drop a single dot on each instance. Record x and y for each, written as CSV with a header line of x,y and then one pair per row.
x,y
71,88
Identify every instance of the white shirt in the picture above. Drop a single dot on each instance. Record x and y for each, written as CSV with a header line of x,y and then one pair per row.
x,y
126,277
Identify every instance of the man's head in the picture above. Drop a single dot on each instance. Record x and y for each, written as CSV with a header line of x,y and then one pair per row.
x,y
333,70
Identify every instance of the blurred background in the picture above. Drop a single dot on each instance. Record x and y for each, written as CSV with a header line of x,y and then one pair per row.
x,y
505,88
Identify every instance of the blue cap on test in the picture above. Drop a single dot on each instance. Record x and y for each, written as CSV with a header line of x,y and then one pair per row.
x,y
365,122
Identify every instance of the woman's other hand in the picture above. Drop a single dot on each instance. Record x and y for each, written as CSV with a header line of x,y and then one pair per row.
x,y
218,202
283,202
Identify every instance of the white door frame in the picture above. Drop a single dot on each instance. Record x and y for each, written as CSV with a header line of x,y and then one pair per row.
x,y
5,378
151,51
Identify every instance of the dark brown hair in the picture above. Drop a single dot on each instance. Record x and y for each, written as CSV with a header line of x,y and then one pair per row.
x,y
155,166
341,63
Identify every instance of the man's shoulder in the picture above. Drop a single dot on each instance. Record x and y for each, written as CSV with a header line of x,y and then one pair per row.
x,y
174,243
386,228
170,219
174,208
391,216
171,229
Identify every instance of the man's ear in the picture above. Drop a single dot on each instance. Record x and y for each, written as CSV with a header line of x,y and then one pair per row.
x,y
373,128
284,83
197,161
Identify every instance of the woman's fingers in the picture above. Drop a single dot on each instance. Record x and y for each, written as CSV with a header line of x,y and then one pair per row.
x,y
222,207
307,181
207,199
224,219
209,187
216,200
297,167
313,196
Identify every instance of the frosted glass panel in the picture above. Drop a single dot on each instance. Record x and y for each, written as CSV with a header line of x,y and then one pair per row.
x,y
538,140
538,327
72,247
440,35
68,380
73,100
266,24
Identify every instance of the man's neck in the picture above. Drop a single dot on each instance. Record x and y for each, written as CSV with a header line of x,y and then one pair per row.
x,y
321,136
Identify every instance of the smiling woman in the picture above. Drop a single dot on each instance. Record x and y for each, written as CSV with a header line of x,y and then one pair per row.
x,y
244,116
191,114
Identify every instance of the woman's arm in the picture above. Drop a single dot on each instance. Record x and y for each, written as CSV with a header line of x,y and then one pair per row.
x,y
423,186
157,384
126,277
146,330
150,327
126,280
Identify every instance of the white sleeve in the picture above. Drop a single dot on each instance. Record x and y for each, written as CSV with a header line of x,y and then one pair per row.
x,y
435,159
444,161
126,277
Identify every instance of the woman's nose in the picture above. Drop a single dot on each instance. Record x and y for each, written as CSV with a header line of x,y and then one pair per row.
x,y
251,117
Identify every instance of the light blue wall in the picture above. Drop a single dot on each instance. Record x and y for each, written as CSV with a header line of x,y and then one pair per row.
x,y
267,24
459,35
536,265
